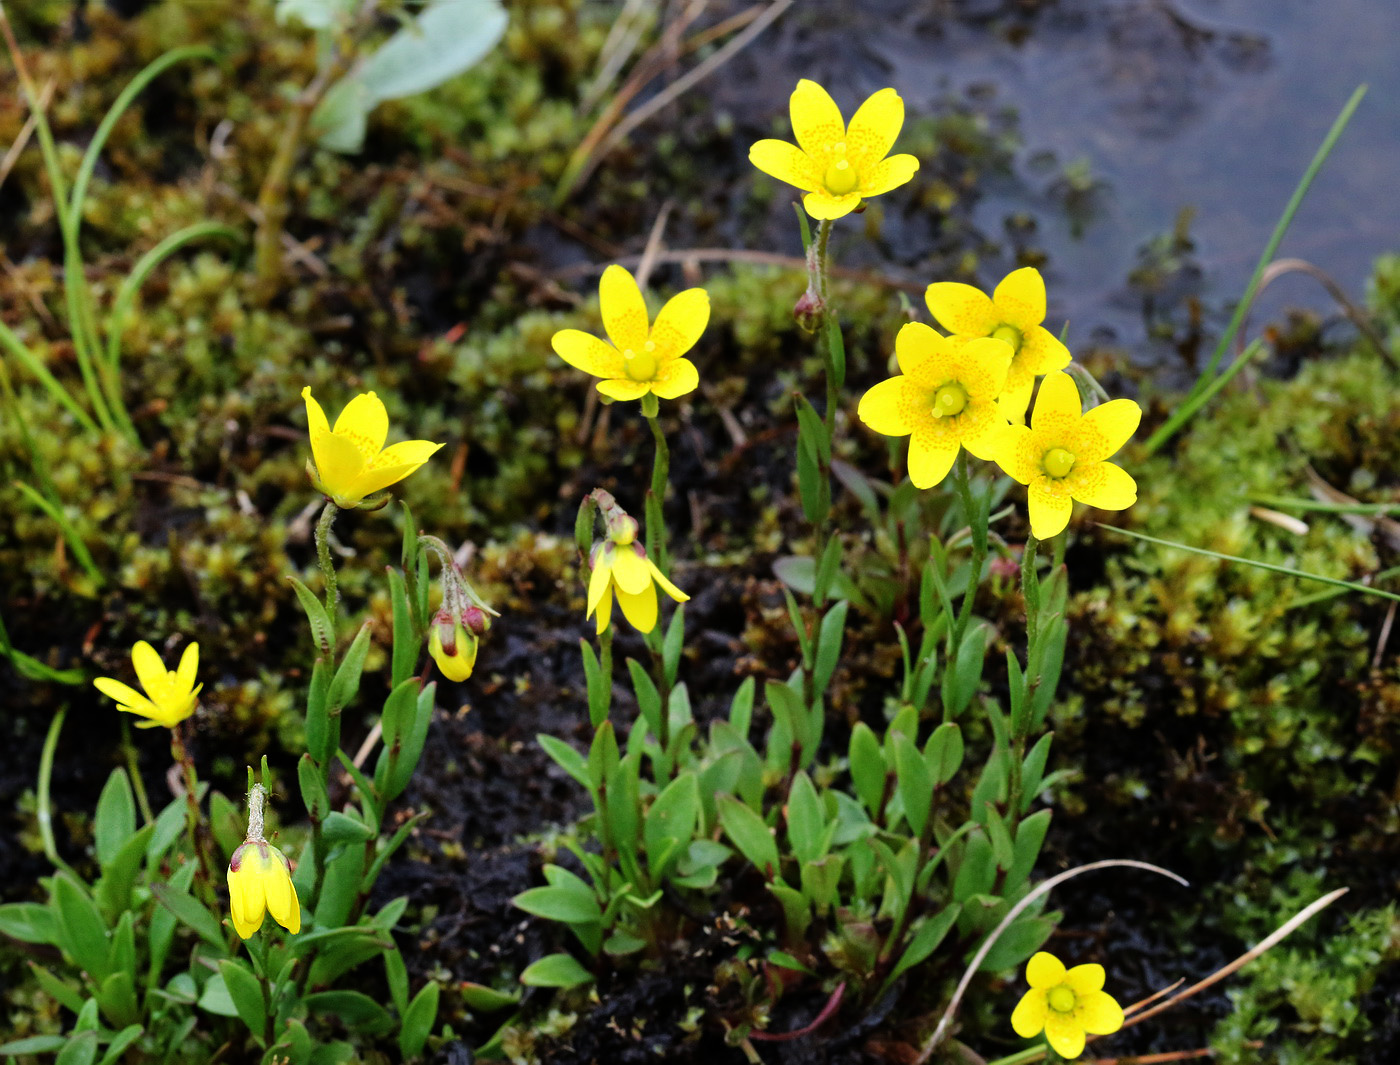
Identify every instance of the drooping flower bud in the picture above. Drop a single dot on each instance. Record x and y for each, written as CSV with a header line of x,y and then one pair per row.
x,y
809,312
453,648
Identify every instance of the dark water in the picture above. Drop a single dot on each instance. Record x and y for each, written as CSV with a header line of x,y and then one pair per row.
x,y
1213,105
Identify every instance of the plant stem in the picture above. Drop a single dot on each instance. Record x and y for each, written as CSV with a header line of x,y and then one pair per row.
x,y
133,770
1030,591
194,819
962,481
323,555
657,542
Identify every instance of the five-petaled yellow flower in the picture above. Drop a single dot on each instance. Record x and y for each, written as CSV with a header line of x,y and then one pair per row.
x,y
1013,313
643,356
1060,456
945,399
351,459
260,882
621,568
1065,1004
837,165
171,695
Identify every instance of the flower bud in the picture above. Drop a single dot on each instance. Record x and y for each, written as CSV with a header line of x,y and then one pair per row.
x,y
476,620
453,648
809,312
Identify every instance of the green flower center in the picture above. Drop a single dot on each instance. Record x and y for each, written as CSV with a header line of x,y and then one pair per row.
x,y
1058,462
1062,999
949,400
840,177
640,365
1010,334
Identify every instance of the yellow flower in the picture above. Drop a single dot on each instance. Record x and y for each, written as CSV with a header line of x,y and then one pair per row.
x,y
642,357
835,165
171,696
621,568
1065,1005
1060,456
259,882
944,399
456,655
1013,313
351,459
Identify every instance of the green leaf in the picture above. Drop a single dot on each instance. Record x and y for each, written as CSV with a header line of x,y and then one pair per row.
x,y
447,39
418,1021
1030,837
162,927
799,572
828,566
29,922
1033,770
216,998
821,881
829,639
961,682
340,120
355,1009
322,629
602,756
245,991
81,931
943,754
569,902
797,912
313,788
867,765
123,1039
977,871
345,685
485,999
813,486
408,644
556,970
121,953
62,992
169,824
116,817
566,758
914,781
81,1049
741,708
671,647
670,823
1022,938
322,735
1000,837
750,835
341,886
34,1044
396,976
928,934
648,698
345,828
599,686
190,912
806,820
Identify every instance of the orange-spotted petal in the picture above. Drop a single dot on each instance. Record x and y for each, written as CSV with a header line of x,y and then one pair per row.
x,y
623,388
1050,507
893,407
979,365
961,308
922,354
888,174
623,308
1020,298
816,120
1041,351
681,322
365,422
931,455
1102,485
586,352
1057,406
786,162
1108,427
873,129
823,206
1064,1034
676,378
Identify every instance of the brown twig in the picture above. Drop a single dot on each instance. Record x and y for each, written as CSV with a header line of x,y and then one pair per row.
x,y
653,245
1357,317
828,1011
26,131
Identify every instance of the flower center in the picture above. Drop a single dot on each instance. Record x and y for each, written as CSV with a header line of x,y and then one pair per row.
x,y
1061,999
1058,462
1010,334
641,365
949,400
840,177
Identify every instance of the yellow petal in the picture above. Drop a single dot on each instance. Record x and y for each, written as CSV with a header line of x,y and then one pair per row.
x,y
930,457
150,670
1103,485
1064,1035
888,174
1083,979
1015,452
317,427
1107,428
961,308
676,378
979,429
823,206
665,584
629,571
873,129
372,481
890,408
392,465
979,365
623,308
639,609
1098,1013
680,322
816,120
605,608
922,354
189,668
1029,1016
786,162
282,896
1020,298
1041,352
586,352
339,464
128,698
1044,970
1016,398
247,902
624,388
365,421
1057,407
1050,509
598,583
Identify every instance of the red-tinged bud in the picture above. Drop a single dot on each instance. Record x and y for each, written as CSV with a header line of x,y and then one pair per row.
x,y
809,312
476,620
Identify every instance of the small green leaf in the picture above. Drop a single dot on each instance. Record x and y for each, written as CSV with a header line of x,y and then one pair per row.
x,y
313,788
750,835
961,682
29,922
829,639
741,708
245,991
188,911
82,933
672,645
943,753
599,685
806,820
322,630
34,1044
566,758
929,933
867,765
485,999
556,970
116,817
1030,836
345,828
216,998
1022,938
345,685
648,698
408,644
670,823
418,1020
355,1009
1033,770
914,781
